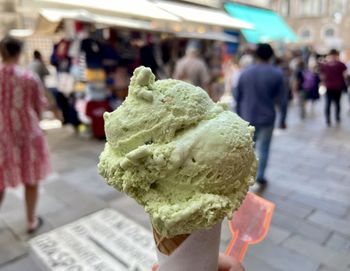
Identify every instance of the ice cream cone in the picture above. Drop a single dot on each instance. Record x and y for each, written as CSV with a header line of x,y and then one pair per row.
x,y
168,245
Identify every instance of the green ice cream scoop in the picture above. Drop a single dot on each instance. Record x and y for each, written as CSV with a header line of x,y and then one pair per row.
x,y
187,160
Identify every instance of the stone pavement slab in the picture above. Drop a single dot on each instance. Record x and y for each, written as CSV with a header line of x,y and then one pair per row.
x,y
132,210
339,169
48,203
334,259
329,206
277,235
341,197
338,242
307,229
331,222
72,195
289,207
282,258
24,263
326,268
77,203
93,183
16,222
11,202
70,214
276,189
10,246
253,263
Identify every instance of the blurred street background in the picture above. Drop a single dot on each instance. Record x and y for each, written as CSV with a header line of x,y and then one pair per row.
x,y
86,52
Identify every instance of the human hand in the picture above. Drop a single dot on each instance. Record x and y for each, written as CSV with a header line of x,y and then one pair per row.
x,y
229,263
226,263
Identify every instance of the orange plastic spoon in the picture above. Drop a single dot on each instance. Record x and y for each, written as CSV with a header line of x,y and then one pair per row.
x,y
249,225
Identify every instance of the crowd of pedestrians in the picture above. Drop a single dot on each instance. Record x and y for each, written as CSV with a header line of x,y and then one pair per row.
x,y
261,84
268,83
262,88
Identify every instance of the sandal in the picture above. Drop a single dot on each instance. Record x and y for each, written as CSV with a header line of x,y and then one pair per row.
x,y
39,224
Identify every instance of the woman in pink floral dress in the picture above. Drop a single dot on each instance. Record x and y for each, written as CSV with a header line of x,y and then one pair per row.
x,y
24,156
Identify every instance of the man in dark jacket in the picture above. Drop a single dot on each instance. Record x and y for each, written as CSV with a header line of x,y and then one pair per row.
x,y
259,88
333,74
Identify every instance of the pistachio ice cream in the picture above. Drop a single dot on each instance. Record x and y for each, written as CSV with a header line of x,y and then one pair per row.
x,y
187,160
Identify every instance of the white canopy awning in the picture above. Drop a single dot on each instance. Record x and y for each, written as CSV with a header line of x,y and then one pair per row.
x,y
209,3
218,36
127,8
202,15
50,19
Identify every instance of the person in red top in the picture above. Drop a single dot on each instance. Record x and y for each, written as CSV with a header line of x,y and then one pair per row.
x,y
333,75
24,155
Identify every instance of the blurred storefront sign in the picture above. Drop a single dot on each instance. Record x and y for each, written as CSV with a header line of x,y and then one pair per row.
x,y
103,241
232,47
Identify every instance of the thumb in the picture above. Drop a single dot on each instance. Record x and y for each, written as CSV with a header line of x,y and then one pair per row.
x,y
155,267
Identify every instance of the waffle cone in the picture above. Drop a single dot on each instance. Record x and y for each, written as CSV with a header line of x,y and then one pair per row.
x,y
168,245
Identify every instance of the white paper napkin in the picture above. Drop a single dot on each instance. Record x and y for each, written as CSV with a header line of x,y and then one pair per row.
x,y
198,252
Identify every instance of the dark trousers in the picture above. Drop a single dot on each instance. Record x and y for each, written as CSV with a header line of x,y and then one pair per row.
x,y
333,96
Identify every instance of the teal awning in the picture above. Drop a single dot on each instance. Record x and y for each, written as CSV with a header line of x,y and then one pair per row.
x,y
268,26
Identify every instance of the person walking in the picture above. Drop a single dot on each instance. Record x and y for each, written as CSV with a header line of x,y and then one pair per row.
x,y
333,73
297,87
38,66
191,68
258,89
24,155
311,84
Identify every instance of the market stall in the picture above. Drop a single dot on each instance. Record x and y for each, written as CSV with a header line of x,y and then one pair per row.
x,y
101,43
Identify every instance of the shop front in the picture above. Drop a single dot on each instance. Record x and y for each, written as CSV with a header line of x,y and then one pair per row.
x,y
100,45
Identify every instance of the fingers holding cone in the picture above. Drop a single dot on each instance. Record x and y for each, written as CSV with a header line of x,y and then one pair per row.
x,y
229,263
226,263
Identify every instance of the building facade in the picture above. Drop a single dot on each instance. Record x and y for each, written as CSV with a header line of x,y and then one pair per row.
x,y
322,24
8,15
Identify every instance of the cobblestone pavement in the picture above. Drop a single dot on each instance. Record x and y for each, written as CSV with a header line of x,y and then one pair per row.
x,y
309,177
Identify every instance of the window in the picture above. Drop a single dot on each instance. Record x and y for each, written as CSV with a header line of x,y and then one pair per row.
x,y
305,34
311,7
328,32
322,7
337,6
304,7
285,8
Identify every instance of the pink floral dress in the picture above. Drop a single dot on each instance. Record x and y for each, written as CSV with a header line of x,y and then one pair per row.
x,y
24,155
